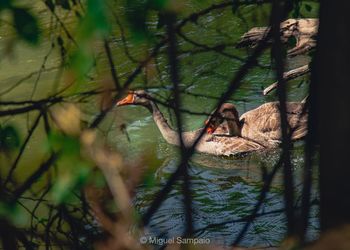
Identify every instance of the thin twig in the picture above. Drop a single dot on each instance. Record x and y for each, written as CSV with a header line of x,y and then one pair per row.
x,y
112,65
21,150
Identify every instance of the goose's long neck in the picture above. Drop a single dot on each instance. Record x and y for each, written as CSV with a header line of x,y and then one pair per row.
x,y
170,135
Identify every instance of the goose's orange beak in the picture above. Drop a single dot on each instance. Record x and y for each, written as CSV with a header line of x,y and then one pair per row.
x,y
129,99
210,129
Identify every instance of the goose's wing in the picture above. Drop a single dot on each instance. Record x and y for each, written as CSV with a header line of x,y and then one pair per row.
x,y
228,145
263,123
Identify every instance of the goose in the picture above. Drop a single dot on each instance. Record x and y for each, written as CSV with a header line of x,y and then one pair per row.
x,y
304,30
262,124
214,144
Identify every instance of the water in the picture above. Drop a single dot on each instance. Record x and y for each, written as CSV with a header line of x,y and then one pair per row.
x,y
224,190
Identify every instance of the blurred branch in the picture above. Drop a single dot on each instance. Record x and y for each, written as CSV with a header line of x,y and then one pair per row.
x,y
123,38
309,156
175,78
279,10
34,176
69,36
218,49
20,110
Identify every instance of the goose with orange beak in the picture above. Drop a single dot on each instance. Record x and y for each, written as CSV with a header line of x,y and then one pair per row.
x,y
210,143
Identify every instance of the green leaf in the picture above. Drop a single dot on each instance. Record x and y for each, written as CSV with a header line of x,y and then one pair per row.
x,y
97,17
82,62
70,146
13,214
65,185
9,138
149,180
99,180
26,25
5,4
308,7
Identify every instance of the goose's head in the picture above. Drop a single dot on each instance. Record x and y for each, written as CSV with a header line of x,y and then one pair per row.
x,y
227,112
137,97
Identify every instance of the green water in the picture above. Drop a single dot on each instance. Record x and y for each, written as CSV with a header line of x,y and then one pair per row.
x,y
224,189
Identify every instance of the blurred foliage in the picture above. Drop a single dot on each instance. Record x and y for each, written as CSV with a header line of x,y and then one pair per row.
x,y
95,21
94,25
25,23
13,214
71,181
68,145
137,13
66,140
9,138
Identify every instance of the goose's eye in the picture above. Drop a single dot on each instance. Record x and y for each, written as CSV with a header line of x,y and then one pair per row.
x,y
142,96
221,118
